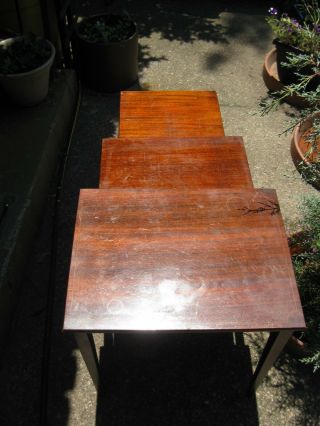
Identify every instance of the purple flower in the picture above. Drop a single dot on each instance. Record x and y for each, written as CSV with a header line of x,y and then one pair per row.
x,y
295,23
273,11
317,29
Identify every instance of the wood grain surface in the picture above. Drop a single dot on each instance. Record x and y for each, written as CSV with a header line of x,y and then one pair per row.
x,y
216,162
181,260
170,113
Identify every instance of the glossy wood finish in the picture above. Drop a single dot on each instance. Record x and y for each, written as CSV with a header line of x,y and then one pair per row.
x,y
188,260
216,162
170,113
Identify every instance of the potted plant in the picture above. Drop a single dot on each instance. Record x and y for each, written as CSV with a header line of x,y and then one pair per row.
x,y
305,146
108,52
305,248
25,63
296,38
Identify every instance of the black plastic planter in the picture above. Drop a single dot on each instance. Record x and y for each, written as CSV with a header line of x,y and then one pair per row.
x,y
288,75
108,66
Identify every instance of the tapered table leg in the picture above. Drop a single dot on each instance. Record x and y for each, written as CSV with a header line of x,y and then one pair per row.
x,y
88,351
275,344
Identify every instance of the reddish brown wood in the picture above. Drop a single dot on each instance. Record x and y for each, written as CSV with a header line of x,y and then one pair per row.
x,y
216,162
170,113
187,260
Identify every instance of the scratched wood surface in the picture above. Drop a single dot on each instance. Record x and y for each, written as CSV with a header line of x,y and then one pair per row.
x,y
181,260
170,113
216,162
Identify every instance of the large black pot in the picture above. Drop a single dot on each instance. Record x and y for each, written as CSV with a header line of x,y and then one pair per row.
x,y
108,66
288,75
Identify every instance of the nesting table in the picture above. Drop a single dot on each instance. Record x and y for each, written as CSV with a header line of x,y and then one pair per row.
x,y
174,163
177,239
170,113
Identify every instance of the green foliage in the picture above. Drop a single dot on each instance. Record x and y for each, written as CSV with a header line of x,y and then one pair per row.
x,y
313,359
106,28
304,37
308,89
307,269
23,54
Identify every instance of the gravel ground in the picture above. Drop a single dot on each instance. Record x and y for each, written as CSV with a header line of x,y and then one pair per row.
x,y
178,379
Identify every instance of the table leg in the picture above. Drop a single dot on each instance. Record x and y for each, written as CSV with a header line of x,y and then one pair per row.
x,y
89,354
275,344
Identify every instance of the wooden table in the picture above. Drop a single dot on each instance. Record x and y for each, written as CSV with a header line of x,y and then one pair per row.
x,y
212,162
194,260
170,113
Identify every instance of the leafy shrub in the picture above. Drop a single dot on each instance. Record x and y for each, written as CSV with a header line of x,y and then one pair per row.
x,y
304,36
106,28
306,66
307,269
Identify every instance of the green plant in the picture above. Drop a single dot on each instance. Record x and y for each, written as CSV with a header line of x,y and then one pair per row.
x,y
106,28
23,54
307,269
308,89
305,36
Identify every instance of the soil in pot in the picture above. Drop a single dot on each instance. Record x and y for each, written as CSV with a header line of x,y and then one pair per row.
x,y
25,64
108,52
106,28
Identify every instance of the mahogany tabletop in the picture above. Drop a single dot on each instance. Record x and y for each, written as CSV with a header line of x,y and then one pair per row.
x,y
215,162
192,260
170,113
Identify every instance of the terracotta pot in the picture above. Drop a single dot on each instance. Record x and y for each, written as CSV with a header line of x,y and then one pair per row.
x,y
300,148
296,347
272,81
298,242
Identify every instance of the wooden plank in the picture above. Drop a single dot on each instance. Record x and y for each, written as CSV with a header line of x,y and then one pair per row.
x,y
170,113
216,162
189,260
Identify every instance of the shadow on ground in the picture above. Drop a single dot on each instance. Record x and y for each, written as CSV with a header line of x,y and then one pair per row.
x,y
301,389
180,379
25,367
97,119
220,22
292,385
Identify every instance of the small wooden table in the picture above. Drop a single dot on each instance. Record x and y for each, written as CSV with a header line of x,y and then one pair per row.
x,y
170,113
215,162
181,260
